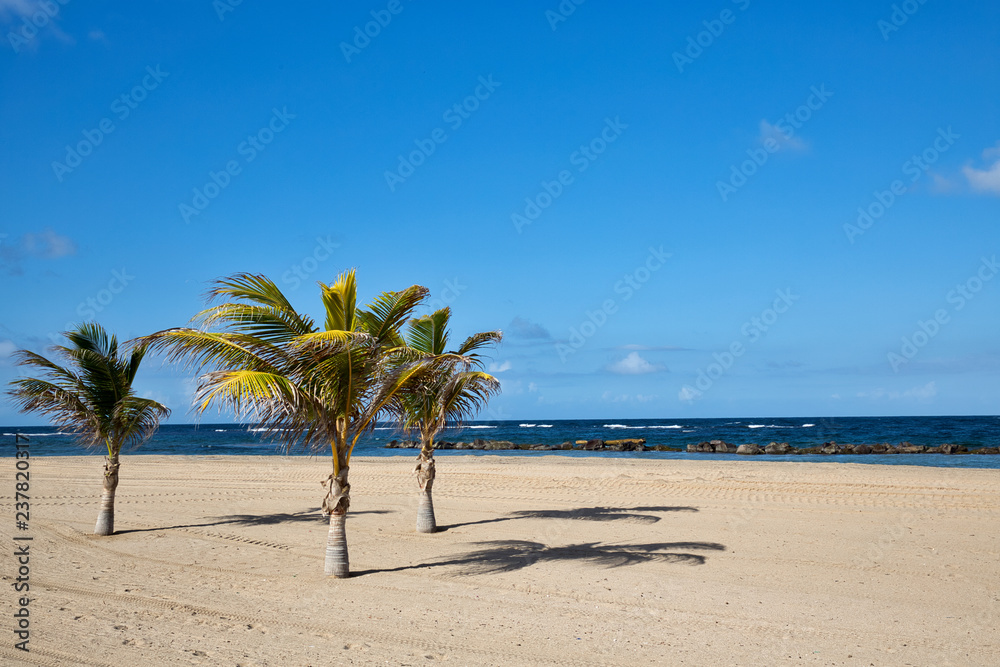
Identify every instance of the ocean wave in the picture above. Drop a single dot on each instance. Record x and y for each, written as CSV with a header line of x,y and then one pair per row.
x,y
527,425
640,427
808,425
36,435
481,427
767,426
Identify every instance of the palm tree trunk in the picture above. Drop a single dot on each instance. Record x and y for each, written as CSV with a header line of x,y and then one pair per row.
x,y
336,503
426,523
106,516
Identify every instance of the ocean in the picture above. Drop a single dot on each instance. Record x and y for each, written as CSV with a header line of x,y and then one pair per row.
x,y
231,439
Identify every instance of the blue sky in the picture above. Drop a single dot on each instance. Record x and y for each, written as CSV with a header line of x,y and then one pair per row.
x,y
711,209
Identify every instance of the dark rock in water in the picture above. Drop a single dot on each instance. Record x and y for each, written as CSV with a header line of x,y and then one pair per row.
x,y
704,447
845,449
829,449
778,448
496,445
723,447
626,445
908,448
953,449
566,445
593,445
812,450
543,448
749,450
986,450
666,448
862,449
479,443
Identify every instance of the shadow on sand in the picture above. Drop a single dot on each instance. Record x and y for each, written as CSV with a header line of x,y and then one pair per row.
x,y
306,516
512,555
628,514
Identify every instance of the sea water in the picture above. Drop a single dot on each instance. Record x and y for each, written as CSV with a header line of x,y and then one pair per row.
x,y
235,439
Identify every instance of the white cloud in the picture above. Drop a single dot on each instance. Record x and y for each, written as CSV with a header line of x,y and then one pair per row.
x,y
532,387
785,140
499,368
986,180
688,394
7,348
628,398
925,392
634,364
920,393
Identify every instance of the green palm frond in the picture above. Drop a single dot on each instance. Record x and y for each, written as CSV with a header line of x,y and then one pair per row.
x,y
340,302
91,396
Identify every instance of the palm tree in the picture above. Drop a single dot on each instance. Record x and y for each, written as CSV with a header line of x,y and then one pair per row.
x,y
313,387
451,390
92,397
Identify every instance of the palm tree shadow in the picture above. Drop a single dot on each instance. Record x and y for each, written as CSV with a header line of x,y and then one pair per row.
x,y
628,514
511,555
305,516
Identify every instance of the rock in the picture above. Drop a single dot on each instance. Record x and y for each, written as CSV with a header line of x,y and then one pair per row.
x,y
986,450
566,445
593,445
862,449
907,448
666,448
954,449
723,447
829,448
778,448
543,448
749,450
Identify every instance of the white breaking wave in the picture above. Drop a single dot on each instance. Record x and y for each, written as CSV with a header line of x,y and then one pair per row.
x,y
640,427
480,427
37,435
767,426
807,425
527,425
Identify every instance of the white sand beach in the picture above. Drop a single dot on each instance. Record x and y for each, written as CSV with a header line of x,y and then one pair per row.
x,y
543,561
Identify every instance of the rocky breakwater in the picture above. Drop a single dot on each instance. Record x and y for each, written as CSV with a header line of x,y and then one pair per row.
x,y
834,449
627,445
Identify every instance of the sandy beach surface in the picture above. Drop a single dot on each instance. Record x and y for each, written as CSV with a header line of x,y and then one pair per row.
x,y
547,560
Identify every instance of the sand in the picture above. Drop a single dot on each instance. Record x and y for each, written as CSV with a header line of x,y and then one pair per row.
x,y
547,560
